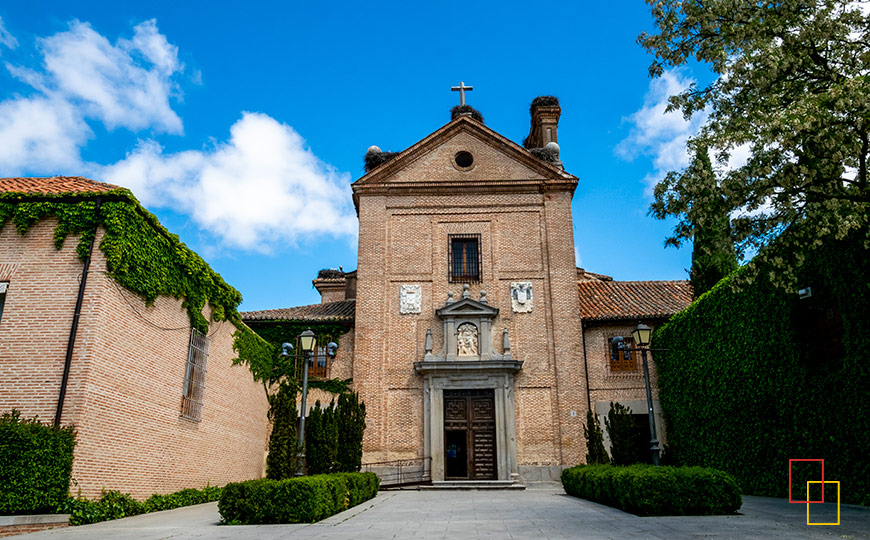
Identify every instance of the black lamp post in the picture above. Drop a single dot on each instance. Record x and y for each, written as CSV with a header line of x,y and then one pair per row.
x,y
307,341
641,335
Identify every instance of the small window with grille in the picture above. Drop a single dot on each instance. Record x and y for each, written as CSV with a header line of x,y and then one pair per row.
x,y
3,286
624,360
464,255
194,377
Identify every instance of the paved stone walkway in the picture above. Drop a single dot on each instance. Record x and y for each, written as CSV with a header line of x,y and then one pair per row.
x,y
530,514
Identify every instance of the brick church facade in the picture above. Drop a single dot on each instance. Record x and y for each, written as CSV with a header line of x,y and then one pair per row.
x,y
476,343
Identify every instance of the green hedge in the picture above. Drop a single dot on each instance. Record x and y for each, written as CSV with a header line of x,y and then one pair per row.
x,y
35,465
295,500
748,385
116,505
647,490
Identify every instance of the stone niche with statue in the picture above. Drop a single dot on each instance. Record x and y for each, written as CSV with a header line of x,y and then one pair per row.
x,y
467,331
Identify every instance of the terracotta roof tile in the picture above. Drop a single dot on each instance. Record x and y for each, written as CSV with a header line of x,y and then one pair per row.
x,y
343,310
611,300
54,185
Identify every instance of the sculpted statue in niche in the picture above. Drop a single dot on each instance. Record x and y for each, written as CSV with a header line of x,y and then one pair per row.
x,y
466,340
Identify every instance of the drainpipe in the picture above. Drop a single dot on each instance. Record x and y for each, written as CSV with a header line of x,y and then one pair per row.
x,y
78,311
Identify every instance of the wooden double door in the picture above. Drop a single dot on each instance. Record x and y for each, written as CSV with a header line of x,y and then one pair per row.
x,y
469,435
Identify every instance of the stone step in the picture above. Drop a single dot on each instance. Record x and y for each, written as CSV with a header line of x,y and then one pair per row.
x,y
475,484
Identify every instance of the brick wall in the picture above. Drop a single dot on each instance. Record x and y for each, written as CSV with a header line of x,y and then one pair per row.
x,y
525,236
127,375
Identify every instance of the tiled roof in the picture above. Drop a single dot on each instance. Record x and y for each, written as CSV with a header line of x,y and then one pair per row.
x,y
54,185
343,310
611,300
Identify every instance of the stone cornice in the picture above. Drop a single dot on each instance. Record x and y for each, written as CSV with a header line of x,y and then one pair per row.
x,y
446,367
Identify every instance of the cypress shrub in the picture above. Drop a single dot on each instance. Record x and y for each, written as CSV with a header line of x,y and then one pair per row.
x,y
646,490
35,464
304,499
624,444
283,442
595,451
321,440
350,415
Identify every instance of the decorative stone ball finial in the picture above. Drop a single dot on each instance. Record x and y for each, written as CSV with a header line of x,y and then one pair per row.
x,y
466,293
553,148
373,150
483,299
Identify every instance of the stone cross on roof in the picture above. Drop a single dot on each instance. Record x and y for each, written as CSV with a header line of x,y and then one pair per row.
x,y
461,89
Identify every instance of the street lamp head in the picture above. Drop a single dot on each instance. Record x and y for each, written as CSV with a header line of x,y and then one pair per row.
x,y
286,349
307,341
331,347
641,335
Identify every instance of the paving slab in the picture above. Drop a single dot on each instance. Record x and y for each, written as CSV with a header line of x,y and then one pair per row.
x,y
483,515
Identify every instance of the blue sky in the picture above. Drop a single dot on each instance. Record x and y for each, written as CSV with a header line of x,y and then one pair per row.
x,y
241,126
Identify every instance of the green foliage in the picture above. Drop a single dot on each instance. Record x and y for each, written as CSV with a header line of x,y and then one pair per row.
x,y
116,505
595,451
263,347
283,442
142,256
792,88
35,464
321,440
185,497
111,505
296,500
350,417
745,386
333,386
625,448
646,490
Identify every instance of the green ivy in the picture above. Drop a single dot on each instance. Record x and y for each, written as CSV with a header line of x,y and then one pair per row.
x,y
744,387
142,256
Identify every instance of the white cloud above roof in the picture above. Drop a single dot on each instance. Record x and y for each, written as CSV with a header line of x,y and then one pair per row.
x,y
260,187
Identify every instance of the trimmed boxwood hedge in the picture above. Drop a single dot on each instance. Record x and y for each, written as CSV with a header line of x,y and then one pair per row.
x,y
35,465
115,505
295,500
749,383
646,490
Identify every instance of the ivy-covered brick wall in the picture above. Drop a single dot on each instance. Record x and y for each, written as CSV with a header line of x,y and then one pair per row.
x,y
758,376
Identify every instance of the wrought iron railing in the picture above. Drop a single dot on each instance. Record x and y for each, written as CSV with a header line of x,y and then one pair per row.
x,y
402,472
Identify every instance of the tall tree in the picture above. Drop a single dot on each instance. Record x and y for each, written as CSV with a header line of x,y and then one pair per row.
x,y
283,442
595,451
350,416
694,195
792,86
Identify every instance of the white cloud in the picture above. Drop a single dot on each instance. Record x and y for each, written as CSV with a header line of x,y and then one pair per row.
x,y
659,134
6,38
40,133
261,187
128,84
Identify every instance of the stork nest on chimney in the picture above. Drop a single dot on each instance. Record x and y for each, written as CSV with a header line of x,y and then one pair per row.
x,y
543,101
374,159
462,109
544,154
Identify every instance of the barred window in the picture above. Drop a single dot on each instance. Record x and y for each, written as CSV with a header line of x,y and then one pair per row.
x,y
319,362
625,359
464,254
194,377
3,286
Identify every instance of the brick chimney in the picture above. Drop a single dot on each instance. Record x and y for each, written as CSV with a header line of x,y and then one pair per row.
x,y
545,122
332,285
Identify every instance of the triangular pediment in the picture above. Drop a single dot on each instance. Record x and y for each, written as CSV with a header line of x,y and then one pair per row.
x,y
468,308
432,160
